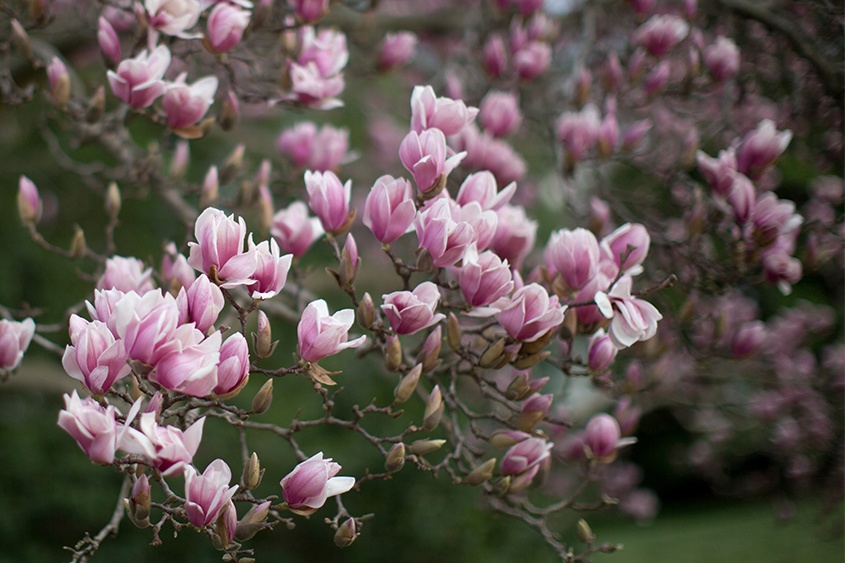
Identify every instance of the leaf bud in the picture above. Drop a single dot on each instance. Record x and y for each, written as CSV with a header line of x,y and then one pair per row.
x,y
261,401
482,473
407,384
453,332
345,534
20,39
395,458
585,534
501,487
422,447
491,355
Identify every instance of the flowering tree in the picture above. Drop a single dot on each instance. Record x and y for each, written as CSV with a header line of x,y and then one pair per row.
x,y
634,138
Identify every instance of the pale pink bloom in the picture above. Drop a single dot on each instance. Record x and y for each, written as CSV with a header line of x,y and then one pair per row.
x,y
396,50
126,274
486,153
617,244
221,245
531,313
186,105
109,42
719,172
14,340
190,364
748,338
311,482
722,58
426,156
601,352
532,60
578,131
234,365
311,88
536,402
515,234
499,113
298,143
310,11
168,448
95,428
175,268
602,438
226,25
428,111
445,239
662,32
30,207
481,187
761,148
389,210
138,81
542,28
105,301
632,319
294,230
271,271
574,255
326,49
524,455
172,17
590,314
495,56
412,311
204,301
328,199
147,325
321,334
208,494
55,72
658,78
95,357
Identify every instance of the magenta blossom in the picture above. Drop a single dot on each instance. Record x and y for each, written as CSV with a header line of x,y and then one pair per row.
x,y
632,241
524,455
425,155
186,105
95,428
389,210
532,59
190,366
294,230
662,32
481,187
138,81
219,251
719,172
428,111
396,49
499,113
722,58
530,313
208,494
329,200
226,26
603,438
306,488
412,311
515,234
761,147
484,278
310,11
168,448
271,271
574,255
108,40
321,334
445,239
601,353
96,358
147,325
14,340
204,301
233,370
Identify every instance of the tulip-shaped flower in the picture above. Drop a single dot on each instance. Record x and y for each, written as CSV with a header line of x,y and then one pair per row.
x,y
294,230
525,455
172,17
306,488
126,274
109,42
411,311
660,33
574,255
389,210
226,26
499,113
168,448
719,172
396,49
147,325
219,251
495,56
601,353
515,234
532,59
186,105
95,428
310,11
298,143
445,239
190,366
448,115
321,334
329,200
30,206
14,340
233,370
603,438
208,494
204,302
748,338
578,131
484,278
272,269
96,358
530,313
761,147
138,81
631,236
425,156
722,58
481,187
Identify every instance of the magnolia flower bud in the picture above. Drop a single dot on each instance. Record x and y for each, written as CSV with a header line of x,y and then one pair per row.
x,y
481,474
395,458
408,384
262,340
233,164
518,388
96,106
507,438
21,40
113,200
138,504
252,474
262,400
229,115
453,332
434,408
345,534
77,244
501,487
59,80
585,534
491,356
366,311
252,522
210,186
429,356
29,202
393,353
422,447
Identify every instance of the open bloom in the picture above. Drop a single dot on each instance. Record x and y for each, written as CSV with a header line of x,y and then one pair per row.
x,y
294,230
389,210
147,325
190,366
220,248
499,113
448,115
14,340
761,147
574,255
208,494
172,17
524,455
321,334
484,278
306,488
186,105
632,319
271,270
515,234
425,156
168,448
722,58
96,358
95,428
126,274
138,81
226,26
481,187
445,239
662,32
630,241
411,311
530,313
396,49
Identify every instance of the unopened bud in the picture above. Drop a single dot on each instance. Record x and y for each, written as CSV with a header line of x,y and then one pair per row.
x,y
424,261
534,359
434,408
529,419
265,208
481,473
422,447
537,345
261,401
518,388
569,326
262,341
96,106
29,202
366,311
252,474
507,438
408,384
429,356
138,504
77,244
20,40
252,522
345,534
59,80
395,458
520,482
210,189
491,356
510,352
453,332
229,115
181,158
585,534
233,164
113,200
393,353
501,487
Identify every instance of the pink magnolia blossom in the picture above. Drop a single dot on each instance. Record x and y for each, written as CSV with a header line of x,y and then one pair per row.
x,y
186,105
499,113
389,210
95,358
226,25
175,268
601,352
396,49
445,239
719,172
204,301
326,49
168,448
310,11
190,364
298,143
524,455
147,325
294,230
234,367
138,81
760,148
487,153
530,313
635,135
722,58
126,274
321,150
313,89
532,59
14,340
515,235
306,488
603,438
208,494
661,33
617,244
658,78
411,311
495,56
95,428
172,17
748,338
481,187
220,247
428,111
574,255
741,197
329,199
578,131
271,271
108,40
632,319
425,155
484,278
320,334
771,217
